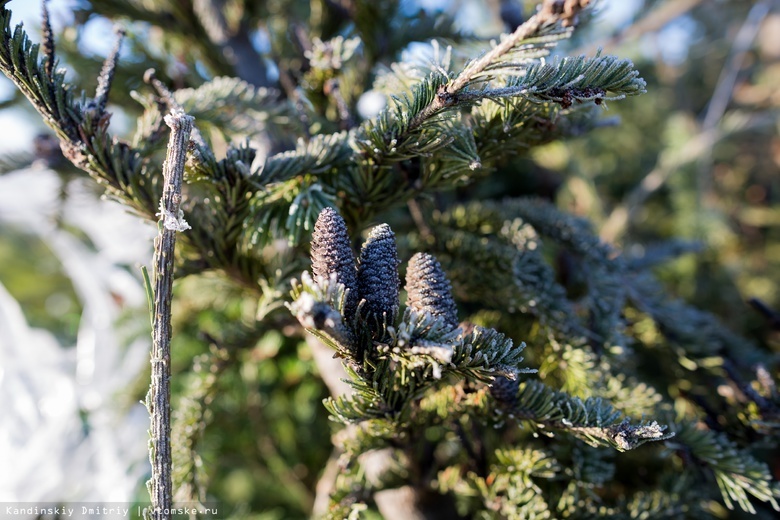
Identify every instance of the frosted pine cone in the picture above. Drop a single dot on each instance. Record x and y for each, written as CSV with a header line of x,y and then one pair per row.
x,y
378,277
429,290
331,252
504,389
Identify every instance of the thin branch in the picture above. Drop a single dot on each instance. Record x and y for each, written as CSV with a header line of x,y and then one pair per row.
x,y
159,398
236,46
667,164
48,40
168,99
552,11
106,77
726,81
728,75
772,316
653,21
699,147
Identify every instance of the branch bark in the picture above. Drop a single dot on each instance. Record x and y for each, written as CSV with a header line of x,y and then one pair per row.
x,y
236,46
159,397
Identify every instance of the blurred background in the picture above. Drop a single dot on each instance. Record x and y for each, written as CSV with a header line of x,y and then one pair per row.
x,y
697,158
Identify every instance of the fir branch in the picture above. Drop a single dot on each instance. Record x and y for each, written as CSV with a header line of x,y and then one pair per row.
x,y
48,40
158,400
542,23
737,473
190,419
548,22
106,77
593,420
697,332
644,257
235,107
513,270
321,154
569,80
606,285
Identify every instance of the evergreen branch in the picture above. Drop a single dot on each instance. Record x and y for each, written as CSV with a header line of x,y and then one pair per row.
x,y
158,401
699,333
287,209
48,93
606,296
569,80
737,473
543,23
190,419
642,258
593,420
322,154
513,270
235,107
511,489
83,133
106,77
48,40
548,22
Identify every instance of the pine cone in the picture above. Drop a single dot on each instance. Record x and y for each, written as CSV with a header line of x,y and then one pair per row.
x,y
504,389
378,277
331,252
429,290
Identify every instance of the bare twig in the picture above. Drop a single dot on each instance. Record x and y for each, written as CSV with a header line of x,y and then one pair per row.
x,y
728,75
700,146
726,81
159,398
168,99
236,46
667,164
771,315
653,21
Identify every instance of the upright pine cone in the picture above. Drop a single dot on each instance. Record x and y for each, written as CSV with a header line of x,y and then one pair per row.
x,y
331,252
429,290
505,390
378,277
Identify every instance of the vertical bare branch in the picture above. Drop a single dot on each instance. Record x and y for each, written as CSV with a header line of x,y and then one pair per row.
x,y
159,398
236,45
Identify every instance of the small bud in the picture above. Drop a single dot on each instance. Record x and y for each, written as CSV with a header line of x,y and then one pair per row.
x,y
378,277
429,290
331,252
